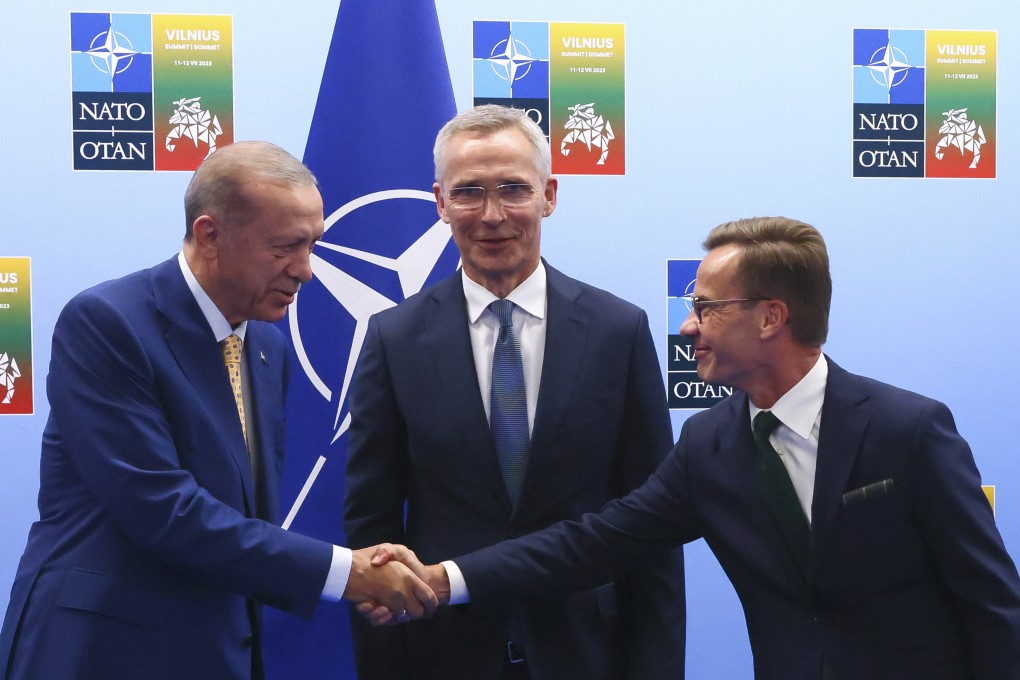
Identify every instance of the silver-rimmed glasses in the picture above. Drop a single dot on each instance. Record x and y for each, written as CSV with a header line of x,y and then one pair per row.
x,y
508,195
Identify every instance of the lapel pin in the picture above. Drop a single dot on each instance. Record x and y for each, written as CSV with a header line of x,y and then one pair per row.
x,y
262,355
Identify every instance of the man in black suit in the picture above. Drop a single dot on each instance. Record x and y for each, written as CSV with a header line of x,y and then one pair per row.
x,y
426,430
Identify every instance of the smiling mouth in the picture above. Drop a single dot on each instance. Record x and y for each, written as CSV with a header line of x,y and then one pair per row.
x,y
494,243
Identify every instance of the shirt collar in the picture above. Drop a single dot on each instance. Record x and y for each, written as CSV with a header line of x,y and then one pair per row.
x,y
217,322
529,296
798,409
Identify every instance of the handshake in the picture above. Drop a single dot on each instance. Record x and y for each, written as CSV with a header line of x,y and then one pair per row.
x,y
390,585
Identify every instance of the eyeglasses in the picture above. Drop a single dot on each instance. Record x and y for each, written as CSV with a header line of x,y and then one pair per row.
x,y
698,303
508,195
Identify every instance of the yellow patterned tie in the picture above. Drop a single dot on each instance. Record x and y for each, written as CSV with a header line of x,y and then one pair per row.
x,y
231,347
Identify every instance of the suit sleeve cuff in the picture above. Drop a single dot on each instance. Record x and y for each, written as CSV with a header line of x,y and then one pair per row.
x,y
339,572
458,587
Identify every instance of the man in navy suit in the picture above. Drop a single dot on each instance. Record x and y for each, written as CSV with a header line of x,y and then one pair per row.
x,y
882,563
596,426
157,540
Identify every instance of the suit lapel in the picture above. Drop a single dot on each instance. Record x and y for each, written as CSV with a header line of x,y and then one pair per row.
x,y
844,424
198,355
566,335
266,396
448,343
737,451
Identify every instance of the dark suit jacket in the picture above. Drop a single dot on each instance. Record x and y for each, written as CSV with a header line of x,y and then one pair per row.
x,y
147,553
913,584
419,433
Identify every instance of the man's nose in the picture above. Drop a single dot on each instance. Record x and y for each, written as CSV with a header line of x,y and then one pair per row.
x,y
301,266
690,326
492,209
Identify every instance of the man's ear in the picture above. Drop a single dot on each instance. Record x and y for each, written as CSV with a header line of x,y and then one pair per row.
x,y
206,232
777,316
551,185
440,202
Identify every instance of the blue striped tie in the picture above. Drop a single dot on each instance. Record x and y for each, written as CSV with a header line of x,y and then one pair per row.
x,y
508,416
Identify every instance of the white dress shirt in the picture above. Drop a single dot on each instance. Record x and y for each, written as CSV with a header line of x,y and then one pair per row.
x,y
529,326
529,299
796,439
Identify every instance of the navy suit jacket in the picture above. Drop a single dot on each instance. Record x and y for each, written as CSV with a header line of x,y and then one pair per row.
x,y
148,552
419,433
911,584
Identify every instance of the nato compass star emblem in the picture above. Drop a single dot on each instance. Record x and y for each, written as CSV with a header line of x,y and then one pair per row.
x,y
111,52
889,66
510,59
361,268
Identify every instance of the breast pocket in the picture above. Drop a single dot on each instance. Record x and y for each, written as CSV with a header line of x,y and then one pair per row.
x,y
875,518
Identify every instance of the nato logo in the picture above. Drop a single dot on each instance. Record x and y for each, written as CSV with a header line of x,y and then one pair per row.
x,y
685,389
511,66
111,98
888,66
361,268
111,52
511,59
888,112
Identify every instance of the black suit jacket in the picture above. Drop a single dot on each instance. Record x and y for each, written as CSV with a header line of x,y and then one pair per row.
x,y
419,433
910,584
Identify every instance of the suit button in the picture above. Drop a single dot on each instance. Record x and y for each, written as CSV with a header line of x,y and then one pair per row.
x,y
248,641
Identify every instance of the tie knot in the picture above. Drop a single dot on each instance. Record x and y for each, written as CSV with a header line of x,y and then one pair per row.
x,y
503,309
765,423
231,347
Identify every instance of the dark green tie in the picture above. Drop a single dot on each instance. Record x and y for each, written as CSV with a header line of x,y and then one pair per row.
x,y
778,491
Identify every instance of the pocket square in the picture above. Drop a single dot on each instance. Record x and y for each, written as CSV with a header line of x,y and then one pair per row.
x,y
869,491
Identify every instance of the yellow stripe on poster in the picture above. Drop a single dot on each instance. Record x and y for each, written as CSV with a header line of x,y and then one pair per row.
x,y
989,490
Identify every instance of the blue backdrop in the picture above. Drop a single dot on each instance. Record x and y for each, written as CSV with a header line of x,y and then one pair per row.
x,y
733,109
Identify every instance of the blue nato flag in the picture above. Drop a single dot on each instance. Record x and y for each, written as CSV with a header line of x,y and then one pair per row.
x,y
385,93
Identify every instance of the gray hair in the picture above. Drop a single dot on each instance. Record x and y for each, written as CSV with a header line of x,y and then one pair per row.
x,y
220,186
489,119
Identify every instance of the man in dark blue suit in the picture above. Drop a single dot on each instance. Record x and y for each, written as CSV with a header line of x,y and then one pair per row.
x,y
157,541
855,533
593,425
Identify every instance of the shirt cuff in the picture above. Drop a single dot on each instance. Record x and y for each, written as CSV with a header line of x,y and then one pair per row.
x,y
339,572
458,588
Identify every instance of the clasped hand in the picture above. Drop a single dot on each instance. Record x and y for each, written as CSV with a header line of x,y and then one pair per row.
x,y
429,585
390,581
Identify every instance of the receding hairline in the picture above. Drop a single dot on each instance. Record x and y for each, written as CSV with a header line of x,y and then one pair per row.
x,y
223,181
257,159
